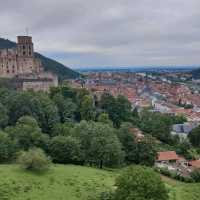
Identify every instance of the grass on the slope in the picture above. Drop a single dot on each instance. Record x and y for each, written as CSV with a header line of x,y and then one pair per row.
x,y
182,191
60,183
69,182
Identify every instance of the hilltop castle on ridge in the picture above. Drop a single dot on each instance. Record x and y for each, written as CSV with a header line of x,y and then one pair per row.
x,y
20,64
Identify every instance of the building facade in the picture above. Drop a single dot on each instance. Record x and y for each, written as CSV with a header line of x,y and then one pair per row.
x,y
19,60
20,63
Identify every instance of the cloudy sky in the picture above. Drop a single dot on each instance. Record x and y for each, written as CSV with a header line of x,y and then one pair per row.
x,y
108,32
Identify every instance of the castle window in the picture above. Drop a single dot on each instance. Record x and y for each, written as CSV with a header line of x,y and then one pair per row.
x,y
23,47
24,53
8,71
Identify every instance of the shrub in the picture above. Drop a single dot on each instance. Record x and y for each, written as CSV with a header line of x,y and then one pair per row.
x,y
196,175
175,175
165,172
140,183
106,195
34,159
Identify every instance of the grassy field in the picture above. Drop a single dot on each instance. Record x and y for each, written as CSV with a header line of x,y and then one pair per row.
x,y
60,183
182,191
72,183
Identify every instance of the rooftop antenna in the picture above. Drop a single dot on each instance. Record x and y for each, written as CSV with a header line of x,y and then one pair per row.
x,y
27,31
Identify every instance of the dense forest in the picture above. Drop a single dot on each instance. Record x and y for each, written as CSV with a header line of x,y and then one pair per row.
x,y
73,126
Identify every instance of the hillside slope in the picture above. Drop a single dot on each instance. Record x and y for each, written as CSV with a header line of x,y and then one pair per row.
x,y
73,183
61,70
60,182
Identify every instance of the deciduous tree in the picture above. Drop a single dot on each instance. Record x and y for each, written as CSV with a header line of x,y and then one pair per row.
x,y
140,183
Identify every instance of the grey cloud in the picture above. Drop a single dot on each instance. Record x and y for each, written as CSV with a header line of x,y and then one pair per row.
x,y
108,32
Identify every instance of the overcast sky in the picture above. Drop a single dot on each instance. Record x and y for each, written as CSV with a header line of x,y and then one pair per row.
x,y
108,32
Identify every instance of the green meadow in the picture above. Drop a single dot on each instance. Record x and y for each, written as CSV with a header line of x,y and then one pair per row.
x,y
69,182
182,191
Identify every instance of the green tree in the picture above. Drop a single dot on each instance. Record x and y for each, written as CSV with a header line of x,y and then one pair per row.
x,y
104,118
194,136
65,150
80,95
183,148
8,148
87,109
138,152
109,104
63,129
128,142
100,144
6,96
35,104
50,114
68,92
34,159
124,108
159,125
196,175
119,109
146,153
66,108
27,134
140,183
3,116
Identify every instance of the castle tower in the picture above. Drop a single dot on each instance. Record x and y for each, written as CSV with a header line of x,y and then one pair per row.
x,y
25,46
27,64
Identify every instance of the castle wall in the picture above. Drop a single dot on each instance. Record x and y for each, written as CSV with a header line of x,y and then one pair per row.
x,y
20,63
19,60
38,85
8,63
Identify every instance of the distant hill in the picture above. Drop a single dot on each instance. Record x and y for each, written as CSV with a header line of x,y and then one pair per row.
x,y
61,70
6,44
196,73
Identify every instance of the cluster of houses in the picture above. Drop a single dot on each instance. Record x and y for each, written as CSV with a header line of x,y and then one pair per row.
x,y
175,163
183,130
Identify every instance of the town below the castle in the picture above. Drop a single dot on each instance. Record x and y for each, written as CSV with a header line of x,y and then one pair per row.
x,y
170,93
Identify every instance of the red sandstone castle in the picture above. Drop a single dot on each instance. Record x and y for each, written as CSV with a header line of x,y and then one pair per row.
x,y
21,64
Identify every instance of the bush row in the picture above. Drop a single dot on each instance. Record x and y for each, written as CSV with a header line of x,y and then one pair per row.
x,y
175,175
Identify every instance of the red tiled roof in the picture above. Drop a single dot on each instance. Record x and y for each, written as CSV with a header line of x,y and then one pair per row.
x,y
167,156
195,163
